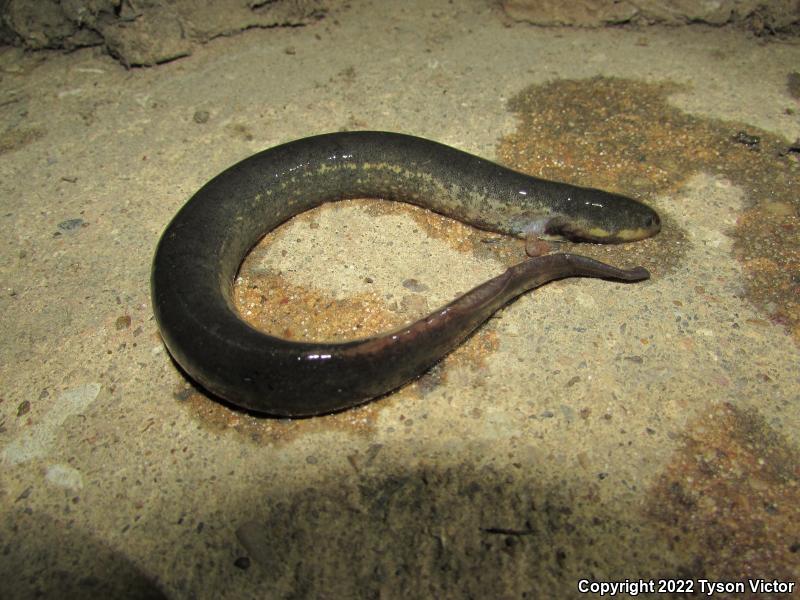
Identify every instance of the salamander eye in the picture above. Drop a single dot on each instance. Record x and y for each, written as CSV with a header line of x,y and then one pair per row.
x,y
652,221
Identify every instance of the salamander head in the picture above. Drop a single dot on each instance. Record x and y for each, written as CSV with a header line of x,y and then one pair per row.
x,y
588,215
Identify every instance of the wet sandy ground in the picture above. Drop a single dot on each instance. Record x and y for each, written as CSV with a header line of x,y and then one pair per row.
x,y
590,430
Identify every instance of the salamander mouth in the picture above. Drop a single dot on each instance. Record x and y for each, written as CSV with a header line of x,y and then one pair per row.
x,y
574,232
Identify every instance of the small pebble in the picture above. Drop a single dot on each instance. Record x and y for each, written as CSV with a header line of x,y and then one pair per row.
x,y
745,138
182,395
71,224
415,286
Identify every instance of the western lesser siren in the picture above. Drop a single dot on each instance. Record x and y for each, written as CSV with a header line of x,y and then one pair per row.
x,y
200,252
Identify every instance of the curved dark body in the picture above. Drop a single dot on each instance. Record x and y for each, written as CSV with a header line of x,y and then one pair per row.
x,y
201,250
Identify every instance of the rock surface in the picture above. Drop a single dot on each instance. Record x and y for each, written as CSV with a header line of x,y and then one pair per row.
x,y
758,15
589,430
144,33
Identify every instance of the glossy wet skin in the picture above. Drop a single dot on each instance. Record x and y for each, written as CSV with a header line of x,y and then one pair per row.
x,y
604,218
581,215
200,252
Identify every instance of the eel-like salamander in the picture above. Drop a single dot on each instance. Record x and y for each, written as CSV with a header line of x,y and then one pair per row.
x,y
201,250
